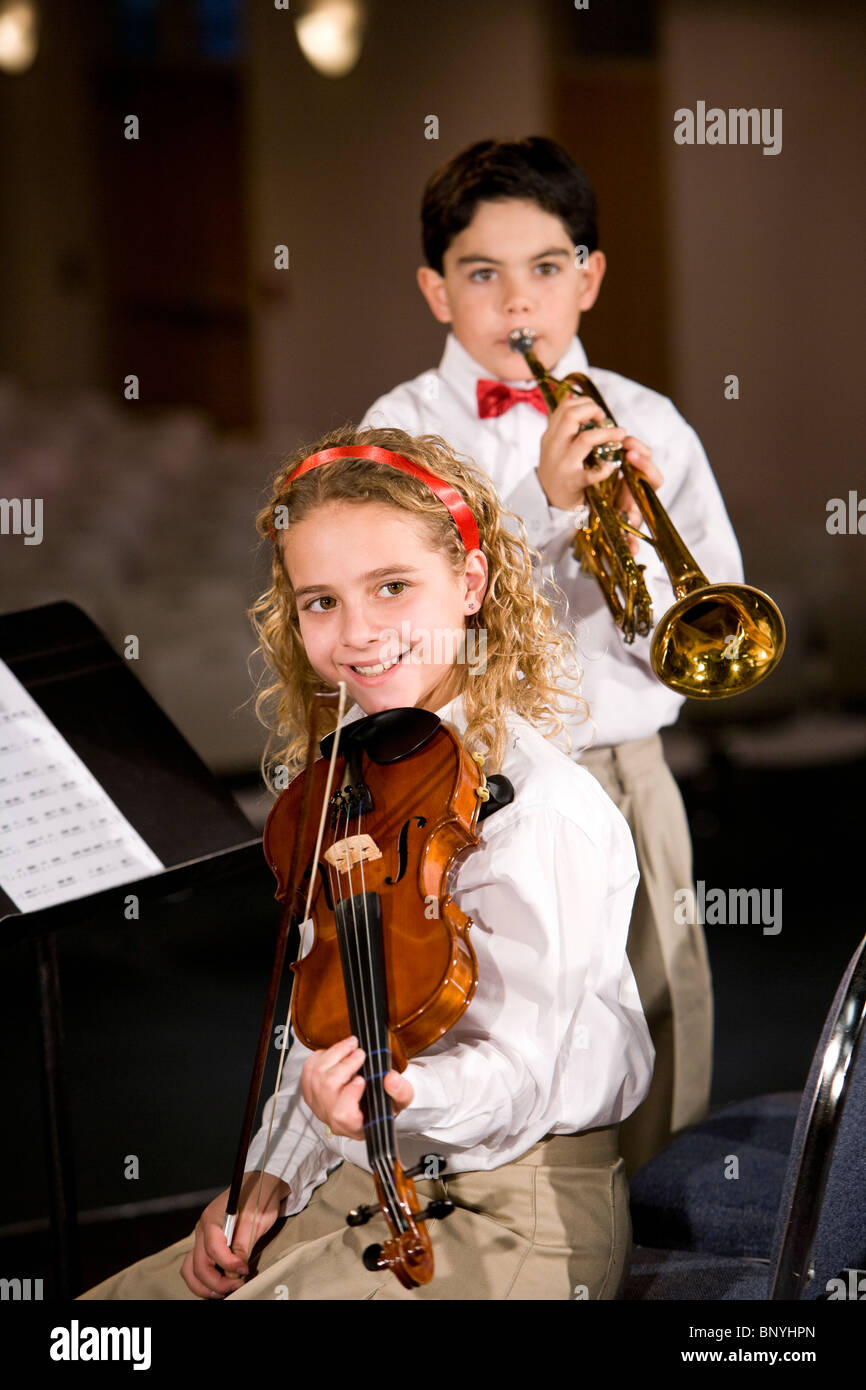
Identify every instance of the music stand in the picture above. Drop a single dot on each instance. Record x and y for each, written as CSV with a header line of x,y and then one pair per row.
x,y
163,789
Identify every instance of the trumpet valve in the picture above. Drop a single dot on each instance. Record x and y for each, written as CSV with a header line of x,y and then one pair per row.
x,y
603,453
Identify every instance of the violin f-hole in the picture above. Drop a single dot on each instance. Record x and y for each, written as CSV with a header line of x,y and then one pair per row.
x,y
402,843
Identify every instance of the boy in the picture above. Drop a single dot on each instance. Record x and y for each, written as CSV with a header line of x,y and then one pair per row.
x,y
510,239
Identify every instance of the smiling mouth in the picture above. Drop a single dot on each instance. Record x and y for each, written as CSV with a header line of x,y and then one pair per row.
x,y
381,667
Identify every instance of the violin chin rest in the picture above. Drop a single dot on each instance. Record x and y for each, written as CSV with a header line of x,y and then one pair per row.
x,y
388,736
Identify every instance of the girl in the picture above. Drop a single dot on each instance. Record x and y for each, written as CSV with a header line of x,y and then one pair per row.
x,y
389,553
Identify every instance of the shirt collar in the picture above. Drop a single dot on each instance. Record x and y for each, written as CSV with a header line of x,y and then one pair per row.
x,y
462,371
452,713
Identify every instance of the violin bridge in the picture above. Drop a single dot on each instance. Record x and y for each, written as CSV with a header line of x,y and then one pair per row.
x,y
355,849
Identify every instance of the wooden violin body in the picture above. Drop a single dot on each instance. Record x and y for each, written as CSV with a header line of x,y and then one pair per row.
x,y
421,813
390,961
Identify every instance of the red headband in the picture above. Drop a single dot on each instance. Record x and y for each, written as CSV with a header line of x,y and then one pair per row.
x,y
448,496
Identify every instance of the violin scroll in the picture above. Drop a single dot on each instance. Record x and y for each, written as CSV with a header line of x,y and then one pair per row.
x,y
409,1254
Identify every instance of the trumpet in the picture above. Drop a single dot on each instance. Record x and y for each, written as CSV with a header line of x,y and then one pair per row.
x,y
716,640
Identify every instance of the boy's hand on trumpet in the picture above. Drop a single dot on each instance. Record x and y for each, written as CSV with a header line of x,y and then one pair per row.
x,y
575,429
641,457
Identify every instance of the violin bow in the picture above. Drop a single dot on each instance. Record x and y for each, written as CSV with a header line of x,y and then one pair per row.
x,y
320,699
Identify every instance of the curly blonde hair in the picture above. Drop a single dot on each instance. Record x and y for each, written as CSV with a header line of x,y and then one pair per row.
x,y
530,667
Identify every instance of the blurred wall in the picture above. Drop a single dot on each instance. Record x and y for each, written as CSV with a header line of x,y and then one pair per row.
x,y
335,173
51,265
765,267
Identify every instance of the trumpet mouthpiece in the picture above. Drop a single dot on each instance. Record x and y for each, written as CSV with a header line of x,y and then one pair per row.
x,y
521,339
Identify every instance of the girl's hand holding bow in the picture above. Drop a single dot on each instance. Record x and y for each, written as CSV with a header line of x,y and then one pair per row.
x,y
211,1269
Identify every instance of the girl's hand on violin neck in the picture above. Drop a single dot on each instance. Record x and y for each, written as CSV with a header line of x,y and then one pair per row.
x,y
199,1269
333,1089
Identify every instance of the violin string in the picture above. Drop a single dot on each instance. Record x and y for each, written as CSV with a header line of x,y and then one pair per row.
x,y
365,1009
341,708
368,1013
351,976
380,1114
371,1010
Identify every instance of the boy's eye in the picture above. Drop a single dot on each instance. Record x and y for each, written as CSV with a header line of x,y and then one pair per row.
x,y
547,268
482,275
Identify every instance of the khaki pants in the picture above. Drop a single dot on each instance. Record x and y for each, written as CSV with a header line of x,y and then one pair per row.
x,y
552,1225
669,960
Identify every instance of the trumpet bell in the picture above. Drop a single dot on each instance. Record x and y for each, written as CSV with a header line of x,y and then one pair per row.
x,y
717,641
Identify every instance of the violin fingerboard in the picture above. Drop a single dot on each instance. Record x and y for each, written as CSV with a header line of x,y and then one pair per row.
x,y
359,931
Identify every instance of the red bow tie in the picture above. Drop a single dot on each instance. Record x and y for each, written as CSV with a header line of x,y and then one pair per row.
x,y
495,397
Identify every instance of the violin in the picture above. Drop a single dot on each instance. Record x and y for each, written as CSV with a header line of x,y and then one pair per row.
x,y
385,951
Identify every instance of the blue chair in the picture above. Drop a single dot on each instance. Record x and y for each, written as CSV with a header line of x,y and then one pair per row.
x,y
794,1217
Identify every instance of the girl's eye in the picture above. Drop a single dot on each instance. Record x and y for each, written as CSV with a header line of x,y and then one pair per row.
x,y
326,601
395,586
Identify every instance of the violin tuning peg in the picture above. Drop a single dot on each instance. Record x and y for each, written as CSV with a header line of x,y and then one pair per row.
x,y
359,1216
372,1257
438,1210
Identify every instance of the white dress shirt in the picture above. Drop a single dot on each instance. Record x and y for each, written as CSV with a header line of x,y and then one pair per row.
x,y
554,1038
626,699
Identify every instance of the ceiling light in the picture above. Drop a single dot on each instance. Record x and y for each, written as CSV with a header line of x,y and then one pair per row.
x,y
331,33
19,35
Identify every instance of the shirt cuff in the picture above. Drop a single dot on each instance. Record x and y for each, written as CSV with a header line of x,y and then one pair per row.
x,y
430,1102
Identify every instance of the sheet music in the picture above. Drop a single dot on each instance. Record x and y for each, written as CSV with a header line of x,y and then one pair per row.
x,y
61,836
